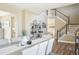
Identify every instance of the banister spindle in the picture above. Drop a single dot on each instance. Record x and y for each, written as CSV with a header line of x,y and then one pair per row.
x,y
55,12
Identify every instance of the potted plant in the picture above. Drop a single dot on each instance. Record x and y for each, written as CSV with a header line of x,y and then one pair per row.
x,y
24,34
24,38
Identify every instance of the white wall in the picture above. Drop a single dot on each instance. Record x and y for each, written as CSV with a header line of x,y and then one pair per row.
x,y
51,26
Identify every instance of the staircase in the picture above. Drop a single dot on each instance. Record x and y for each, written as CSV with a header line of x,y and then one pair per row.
x,y
67,29
72,29
65,38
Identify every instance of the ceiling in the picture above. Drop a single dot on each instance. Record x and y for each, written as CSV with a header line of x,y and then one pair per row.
x,y
3,13
37,7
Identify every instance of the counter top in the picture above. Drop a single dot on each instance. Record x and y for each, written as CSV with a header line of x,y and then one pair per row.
x,y
13,48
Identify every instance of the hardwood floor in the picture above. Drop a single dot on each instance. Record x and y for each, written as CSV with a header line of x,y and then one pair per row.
x,y
62,48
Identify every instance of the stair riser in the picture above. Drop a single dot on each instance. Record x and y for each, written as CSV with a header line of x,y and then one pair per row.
x,y
72,29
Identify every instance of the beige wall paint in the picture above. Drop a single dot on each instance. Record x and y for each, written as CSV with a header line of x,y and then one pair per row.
x,y
72,11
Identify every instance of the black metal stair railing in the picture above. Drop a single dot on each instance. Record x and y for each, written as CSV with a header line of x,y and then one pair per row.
x,y
65,27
